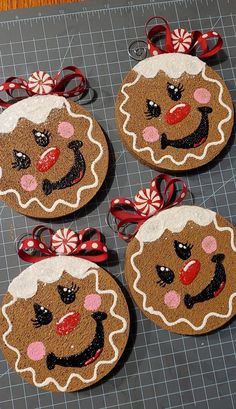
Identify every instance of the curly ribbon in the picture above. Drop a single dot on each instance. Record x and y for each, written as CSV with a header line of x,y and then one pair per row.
x,y
41,83
180,40
63,242
146,204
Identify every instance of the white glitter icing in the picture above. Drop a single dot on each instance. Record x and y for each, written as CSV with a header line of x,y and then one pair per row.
x,y
175,220
58,101
172,64
146,71
49,271
29,109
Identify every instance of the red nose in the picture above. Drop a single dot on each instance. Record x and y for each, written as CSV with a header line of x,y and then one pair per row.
x,y
177,113
67,323
189,271
48,159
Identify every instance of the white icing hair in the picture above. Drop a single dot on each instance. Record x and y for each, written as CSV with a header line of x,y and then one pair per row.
x,y
175,220
48,271
173,64
36,109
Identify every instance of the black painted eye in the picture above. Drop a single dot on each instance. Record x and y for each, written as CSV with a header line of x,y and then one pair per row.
x,y
183,250
21,160
67,294
175,91
153,109
41,138
166,275
42,316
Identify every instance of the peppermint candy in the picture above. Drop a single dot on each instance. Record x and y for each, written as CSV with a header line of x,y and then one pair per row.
x,y
40,83
181,40
64,241
147,202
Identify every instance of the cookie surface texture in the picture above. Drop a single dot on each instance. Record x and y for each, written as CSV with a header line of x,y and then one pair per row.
x,y
64,324
180,269
54,156
174,112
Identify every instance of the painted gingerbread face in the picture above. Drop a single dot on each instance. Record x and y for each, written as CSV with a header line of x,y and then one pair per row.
x,y
68,330
174,112
54,156
188,285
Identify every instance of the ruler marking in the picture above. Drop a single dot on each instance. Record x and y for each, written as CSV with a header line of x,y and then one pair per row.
x,y
102,10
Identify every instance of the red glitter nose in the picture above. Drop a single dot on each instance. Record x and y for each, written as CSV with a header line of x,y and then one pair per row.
x,y
48,159
177,113
189,271
67,323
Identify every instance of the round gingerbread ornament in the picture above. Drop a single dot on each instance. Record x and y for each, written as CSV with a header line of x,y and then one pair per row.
x,y
179,265
54,155
173,111
64,320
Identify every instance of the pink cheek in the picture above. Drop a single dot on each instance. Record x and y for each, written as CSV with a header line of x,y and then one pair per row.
x,y
66,130
92,302
172,299
36,351
28,183
151,134
209,244
202,95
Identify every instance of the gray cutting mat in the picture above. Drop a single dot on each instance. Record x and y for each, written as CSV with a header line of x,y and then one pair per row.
x,y
159,369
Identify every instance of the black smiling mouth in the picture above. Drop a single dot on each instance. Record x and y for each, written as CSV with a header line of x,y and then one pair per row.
x,y
74,175
86,357
214,288
193,140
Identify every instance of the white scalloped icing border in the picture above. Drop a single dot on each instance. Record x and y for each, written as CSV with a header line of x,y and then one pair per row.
x,y
188,155
76,273
82,188
152,311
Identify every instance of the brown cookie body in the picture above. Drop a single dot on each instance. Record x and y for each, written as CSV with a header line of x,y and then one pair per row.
x,y
180,270
54,156
174,112
64,324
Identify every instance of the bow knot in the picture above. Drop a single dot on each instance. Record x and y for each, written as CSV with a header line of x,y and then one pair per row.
x,y
63,242
180,40
147,203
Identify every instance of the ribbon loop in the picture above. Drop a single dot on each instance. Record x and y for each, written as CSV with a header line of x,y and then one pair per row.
x,y
154,33
180,40
87,243
147,203
41,83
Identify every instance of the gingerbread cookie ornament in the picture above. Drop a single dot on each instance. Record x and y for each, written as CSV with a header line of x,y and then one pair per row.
x,y
173,111
64,321
53,154
179,265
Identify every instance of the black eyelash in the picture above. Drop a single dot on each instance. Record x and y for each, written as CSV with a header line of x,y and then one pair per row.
x,y
165,274
21,160
183,250
41,138
67,294
175,91
153,109
42,316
